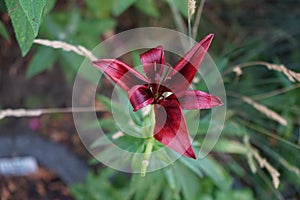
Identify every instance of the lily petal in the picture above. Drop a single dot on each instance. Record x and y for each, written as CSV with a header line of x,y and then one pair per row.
x,y
195,99
153,61
122,74
187,66
140,96
170,128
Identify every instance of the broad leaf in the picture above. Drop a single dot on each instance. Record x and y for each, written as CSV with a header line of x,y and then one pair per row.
x,y
42,60
26,17
120,6
148,7
33,11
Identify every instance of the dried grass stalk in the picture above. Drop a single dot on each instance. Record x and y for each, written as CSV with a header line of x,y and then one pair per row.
x,y
191,8
263,163
291,75
263,109
238,71
117,135
198,18
20,113
38,112
79,50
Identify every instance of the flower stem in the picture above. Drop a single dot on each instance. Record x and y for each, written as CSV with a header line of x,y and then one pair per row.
x,y
149,144
145,162
189,27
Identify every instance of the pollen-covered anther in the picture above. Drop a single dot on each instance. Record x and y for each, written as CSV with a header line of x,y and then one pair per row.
x,y
166,94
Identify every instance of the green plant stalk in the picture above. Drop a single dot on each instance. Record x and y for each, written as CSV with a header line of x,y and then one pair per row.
x,y
145,162
189,27
149,144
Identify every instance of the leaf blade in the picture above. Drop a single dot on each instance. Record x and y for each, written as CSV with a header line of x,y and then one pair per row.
x,y
42,60
33,12
25,28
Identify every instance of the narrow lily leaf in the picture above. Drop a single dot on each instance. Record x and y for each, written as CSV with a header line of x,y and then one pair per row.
x,y
122,74
170,177
195,99
170,128
140,96
153,61
188,182
213,170
230,146
122,117
185,70
192,165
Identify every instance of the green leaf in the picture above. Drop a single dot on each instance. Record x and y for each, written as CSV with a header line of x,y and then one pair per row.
x,y
119,6
101,141
106,101
188,181
99,26
100,9
26,17
42,60
214,171
4,32
33,11
230,146
193,165
136,59
70,63
170,177
182,6
148,187
148,7
119,109
234,128
49,6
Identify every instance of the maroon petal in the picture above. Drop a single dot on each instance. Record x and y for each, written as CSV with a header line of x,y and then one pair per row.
x,y
121,73
153,61
140,96
188,65
170,128
195,99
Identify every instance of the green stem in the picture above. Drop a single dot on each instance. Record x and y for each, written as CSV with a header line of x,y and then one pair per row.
x,y
149,144
189,27
145,162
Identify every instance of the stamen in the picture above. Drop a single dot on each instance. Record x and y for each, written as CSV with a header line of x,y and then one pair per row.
x,y
167,73
165,77
166,94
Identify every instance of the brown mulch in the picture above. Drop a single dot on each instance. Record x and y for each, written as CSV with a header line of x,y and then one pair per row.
x,y
42,185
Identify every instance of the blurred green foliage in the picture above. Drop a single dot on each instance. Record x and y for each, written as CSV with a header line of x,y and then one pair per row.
x,y
243,32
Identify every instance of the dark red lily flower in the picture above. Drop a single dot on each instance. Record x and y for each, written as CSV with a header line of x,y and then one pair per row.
x,y
167,91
